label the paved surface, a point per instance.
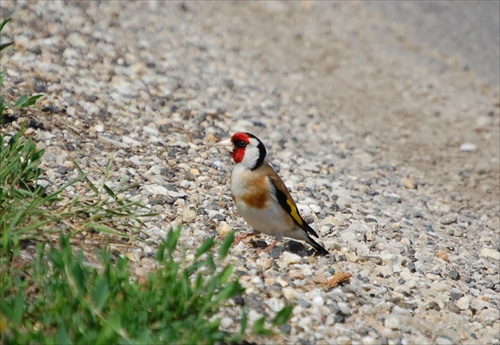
(467, 29)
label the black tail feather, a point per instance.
(309, 230)
(319, 249)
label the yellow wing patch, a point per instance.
(293, 212)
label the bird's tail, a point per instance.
(319, 249)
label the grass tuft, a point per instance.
(65, 301)
(29, 212)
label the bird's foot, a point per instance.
(241, 237)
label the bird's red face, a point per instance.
(246, 149)
(240, 142)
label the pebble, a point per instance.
(490, 253)
(408, 183)
(444, 340)
(392, 322)
(188, 215)
(224, 229)
(226, 322)
(264, 263)
(454, 275)
(318, 301)
(289, 259)
(463, 303)
(468, 147)
(289, 293)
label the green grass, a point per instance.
(84, 305)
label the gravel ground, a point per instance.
(391, 151)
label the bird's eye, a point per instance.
(240, 143)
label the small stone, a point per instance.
(274, 304)
(136, 161)
(393, 197)
(454, 275)
(268, 281)
(411, 267)
(226, 322)
(99, 128)
(318, 301)
(444, 340)
(305, 323)
(289, 258)
(408, 183)
(392, 322)
(195, 172)
(264, 262)
(344, 340)
(132, 256)
(286, 328)
(210, 138)
(453, 307)
(224, 229)
(448, 219)
(289, 293)
(319, 279)
(344, 308)
(188, 215)
(344, 202)
(296, 274)
(490, 253)
(433, 306)
(71, 111)
(443, 255)
(464, 303)
(256, 280)
(468, 147)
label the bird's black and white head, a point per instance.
(246, 149)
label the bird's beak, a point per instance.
(226, 144)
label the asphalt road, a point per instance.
(467, 29)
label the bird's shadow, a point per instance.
(290, 246)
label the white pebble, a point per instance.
(224, 229)
(256, 280)
(490, 253)
(226, 322)
(289, 293)
(344, 308)
(468, 147)
(274, 304)
(318, 301)
(464, 302)
(305, 323)
(392, 322)
(289, 258)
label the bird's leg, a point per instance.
(269, 247)
(241, 237)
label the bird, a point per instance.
(260, 195)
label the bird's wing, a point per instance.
(281, 194)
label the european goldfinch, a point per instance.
(260, 195)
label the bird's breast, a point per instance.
(250, 188)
